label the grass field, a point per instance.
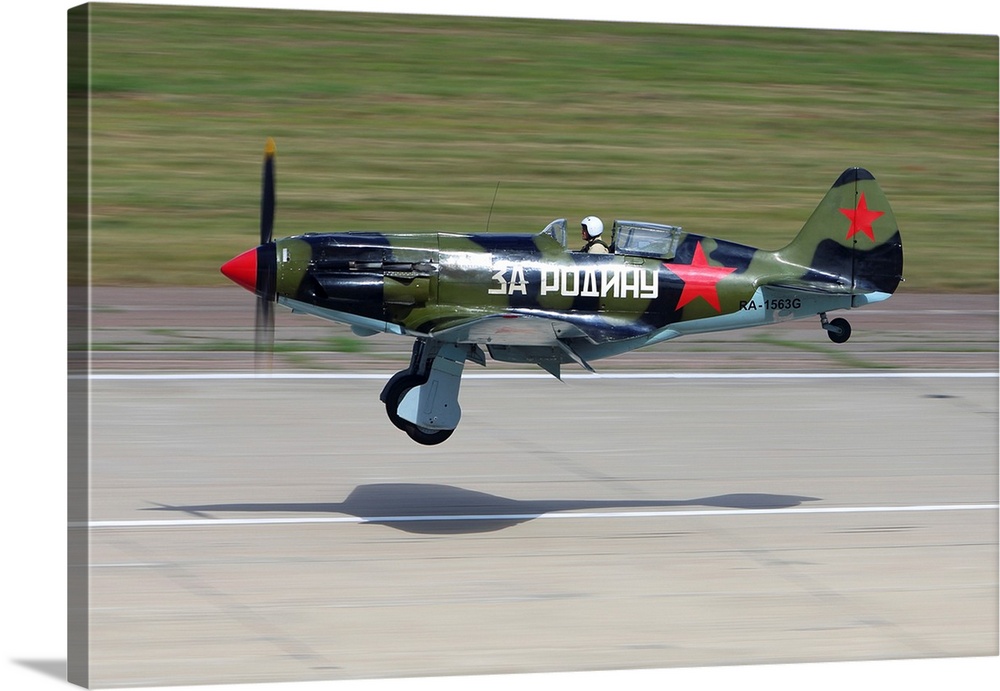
(408, 122)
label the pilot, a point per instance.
(590, 229)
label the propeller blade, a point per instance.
(267, 197)
(264, 335)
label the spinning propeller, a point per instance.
(256, 269)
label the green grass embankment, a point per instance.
(408, 123)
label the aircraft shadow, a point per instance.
(454, 510)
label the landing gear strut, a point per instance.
(394, 394)
(839, 329)
(422, 400)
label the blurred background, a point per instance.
(407, 122)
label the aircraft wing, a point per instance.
(546, 340)
(511, 330)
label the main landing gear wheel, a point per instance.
(427, 437)
(394, 396)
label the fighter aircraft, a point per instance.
(532, 298)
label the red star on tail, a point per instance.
(701, 280)
(861, 219)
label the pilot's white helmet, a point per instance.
(593, 225)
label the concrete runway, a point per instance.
(255, 530)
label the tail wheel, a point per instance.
(839, 330)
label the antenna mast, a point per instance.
(491, 206)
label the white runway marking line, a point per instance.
(206, 522)
(194, 376)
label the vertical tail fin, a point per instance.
(851, 243)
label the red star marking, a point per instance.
(861, 219)
(700, 279)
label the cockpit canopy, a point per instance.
(634, 238)
(642, 239)
(556, 230)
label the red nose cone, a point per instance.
(243, 270)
